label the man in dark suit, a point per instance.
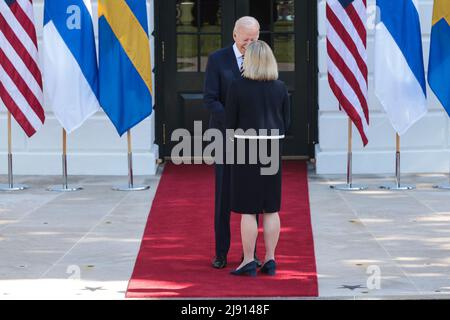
(223, 67)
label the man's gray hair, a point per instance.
(246, 22)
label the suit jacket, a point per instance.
(221, 70)
(258, 105)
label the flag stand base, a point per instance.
(130, 188)
(396, 187)
(62, 188)
(445, 186)
(16, 187)
(349, 187)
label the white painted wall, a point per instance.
(425, 147)
(93, 149)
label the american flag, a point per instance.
(347, 59)
(20, 76)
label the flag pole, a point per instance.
(10, 186)
(130, 161)
(130, 186)
(398, 185)
(349, 186)
(65, 186)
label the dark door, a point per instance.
(187, 31)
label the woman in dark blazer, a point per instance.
(258, 104)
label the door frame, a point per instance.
(310, 53)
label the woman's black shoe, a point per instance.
(258, 262)
(249, 269)
(269, 268)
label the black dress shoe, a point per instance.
(248, 270)
(269, 268)
(258, 262)
(219, 262)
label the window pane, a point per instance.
(208, 44)
(210, 16)
(284, 49)
(284, 16)
(266, 37)
(187, 16)
(187, 53)
(260, 9)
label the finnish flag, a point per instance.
(70, 62)
(399, 69)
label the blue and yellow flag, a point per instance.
(125, 73)
(439, 66)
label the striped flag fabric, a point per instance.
(20, 75)
(125, 72)
(399, 68)
(70, 62)
(347, 59)
(439, 64)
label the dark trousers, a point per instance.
(222, 209)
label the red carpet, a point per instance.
(178, 243)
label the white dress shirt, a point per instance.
(239, 56)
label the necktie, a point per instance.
(242, 65)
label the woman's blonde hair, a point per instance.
(259, 62)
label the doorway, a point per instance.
(188, 31)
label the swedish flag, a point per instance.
(125, 73)
(439, 65)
